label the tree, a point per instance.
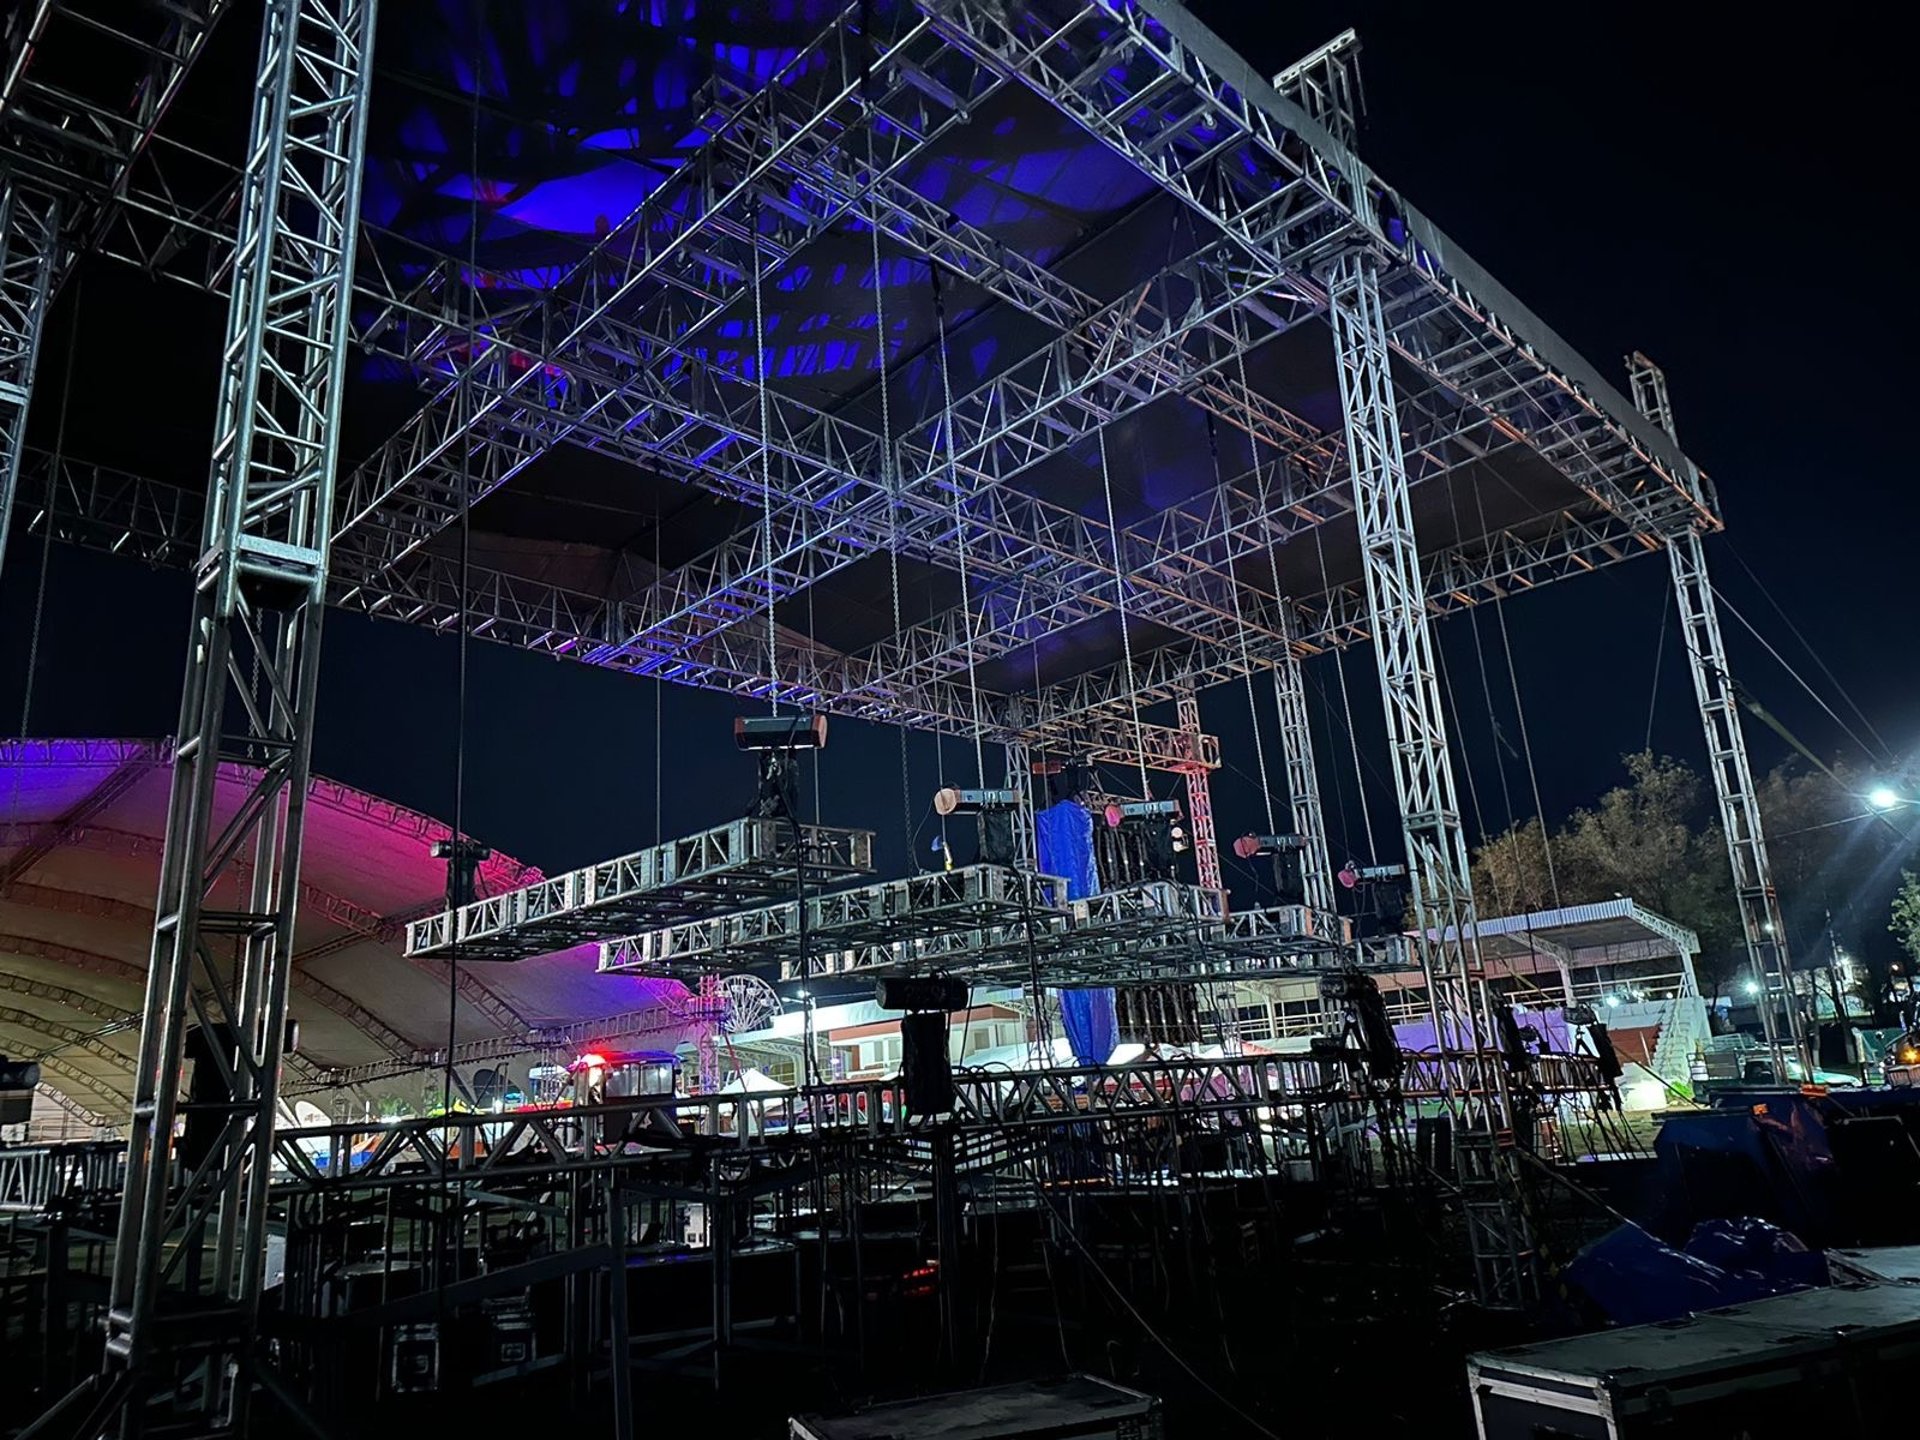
(1906, 915)
(1656, 839)
(1510, 871)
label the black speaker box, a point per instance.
(920, 992)
(925, 1069)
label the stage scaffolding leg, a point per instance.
(222, 950)
(29, 246)
(1206, 843)
(1020, 781)
(1303, 781)
(1442, 891)
(1719, 700)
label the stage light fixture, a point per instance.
(1353, 875)
(780, 732)
(1248, 846)
(1120, 812)
(951, 800)
(464, 858)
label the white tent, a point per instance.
(753, 1081)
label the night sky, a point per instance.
(1640, 177)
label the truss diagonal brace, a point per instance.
(29, 254)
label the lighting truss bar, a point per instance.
(29, 253)
(129, 514)
(1143, 934)
(253, 654)
(741, 861)
(964, 899)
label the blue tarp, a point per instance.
(1769, 1157)
(1064, 833)
(1064, 836)
(1634, 1279)
(1091, 1023)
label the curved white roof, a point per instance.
(81, 823)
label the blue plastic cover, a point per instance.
(1634, 1279)
(1768, 1157)
(1064, 836)
(1092, 1024)
(1064, 833)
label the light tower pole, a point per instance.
(1761, 921)
(1442, 890)
(189, 1263)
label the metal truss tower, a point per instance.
(189, 1263)
(1206, 842)
(29, 249)
(1713, 687)
(1303, 781)
(1442, 890)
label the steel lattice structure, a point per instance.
(1281, 261)
(260, 588)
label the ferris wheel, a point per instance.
(750, 1003)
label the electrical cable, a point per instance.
(1659, 659)
(959, 526)
(1246, 648)
(760, 357)
(1799, 679)
(1346, 703)
(1120, 602)
(1794, 630)
(1520, 716)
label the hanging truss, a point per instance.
(29, 256)
(253, 654)
(1761, 921)
(717, 869)
(1206, 842)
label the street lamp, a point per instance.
(1883, 797)
(1752, 987)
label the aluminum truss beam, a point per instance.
(702, 236)
(1718, 696)
(1161, 90)
(260, 584)
(1442, 889)
(89, 149)
(1303, 781)
(130, 515)
(1206, 842)
(29, 255)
